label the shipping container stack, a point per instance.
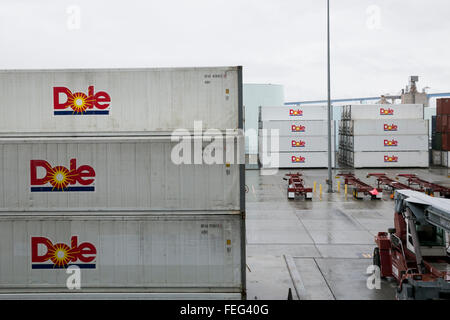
(94, 176)
(302, 137)
(441, 134)
(383, 136)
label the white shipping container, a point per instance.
(293, 113)
(389, 159)
(296, 128)
(385, 111)
(436, 157)
(151, 255)
(389, 143)
(383, 127)
(117, 173)
(297, 160)
(445, 159)
(294, 144)
(119, 100)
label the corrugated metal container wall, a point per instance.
(293, 113)
(386, 112)
(436, 157)
(297, 128)
(113, 174)
(390, 143)
(119, 100)
(390, 159)
(293, 144)
(138, 253)
(446, 141)
(298, 160)
(443, 106)
(383, 127)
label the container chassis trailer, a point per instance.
(296, 186)
(430, 188)
(359, 187)
(383, 181)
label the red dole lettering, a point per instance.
(386, 112)
(61, 178)
(80, 103)
(61, 255)
(391, 127)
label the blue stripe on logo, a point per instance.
(68, 189)
(52, 266)
(89, 112)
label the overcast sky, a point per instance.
(376, 45)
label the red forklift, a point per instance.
(415, 252)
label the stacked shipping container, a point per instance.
(383, 136)
(94, 177)
(441, 133)
(303, 137)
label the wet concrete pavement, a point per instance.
(330, 239)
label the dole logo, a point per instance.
(391, 127)
(79, 103)
(386, 112)
(300, 128)
(391, 143)
(298, 159)
(298, 144)
(295, 113)
(61, 255)
(60, 178)
(390, 159)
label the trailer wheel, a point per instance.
(405, 291)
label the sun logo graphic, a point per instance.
(295, 113)
(390, 159)
(298, 144)
(60, 178)
(300, 128)
(386, 112)
(391, 127)
(79, 103)
(46, 255)
(391, 143)
(298, 159)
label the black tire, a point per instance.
(391, 230)
(376, 257)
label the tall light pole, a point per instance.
(330, 176)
